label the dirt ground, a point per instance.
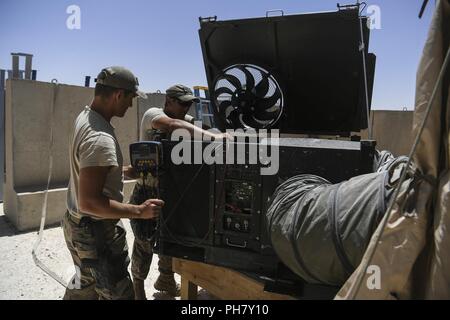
(21, 279)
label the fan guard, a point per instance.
(248, 96)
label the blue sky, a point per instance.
(158, 40)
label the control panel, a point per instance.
(146, 157)
(238, 194)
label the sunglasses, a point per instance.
(185, 104)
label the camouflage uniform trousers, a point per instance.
(100, 254)
(141, 259)
(143, 231)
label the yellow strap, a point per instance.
(201, 88)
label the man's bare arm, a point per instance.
(169, 125)
(92, 201)
(204, 126)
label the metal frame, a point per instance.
(204, 101)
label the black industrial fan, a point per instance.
(247, 96)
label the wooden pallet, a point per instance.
(221, 282)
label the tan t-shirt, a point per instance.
(147, 132)
(94, 144)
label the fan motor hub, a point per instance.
(244, 100)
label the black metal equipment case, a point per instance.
(215, 213)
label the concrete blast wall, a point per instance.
(28, 120)
(393, 130)
(152, 101)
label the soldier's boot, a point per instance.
(139, 290)
(167, 283)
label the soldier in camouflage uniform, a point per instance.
(144, 240)
(156, 124)
(92, 229)
(102, 267)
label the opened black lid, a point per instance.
(313, 59)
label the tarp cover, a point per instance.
(412, 256)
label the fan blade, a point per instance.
(265, 116)
(248, 120)
(262, 87)
(267, 103)
(224, 105)
(234, 120)
(223, 90)
(249, 80)
(233, 80)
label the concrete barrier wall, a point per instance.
(153, 100)
(27, 134)
(392, 130)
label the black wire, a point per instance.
(183, 241)
(422, 10)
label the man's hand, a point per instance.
(150, 209)
(92, 201)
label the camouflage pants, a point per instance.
(141, 259)
(100, 254)
(144, 231)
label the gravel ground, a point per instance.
(20, 278)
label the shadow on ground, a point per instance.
(7, 229)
